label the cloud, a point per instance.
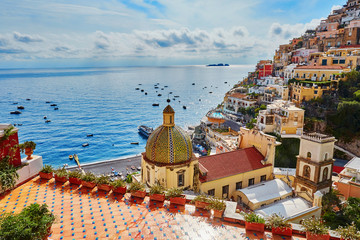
(288, 31)
(26, 38)
(335, 7)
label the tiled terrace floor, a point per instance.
(89, 214)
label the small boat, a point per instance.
(85, 144)
(156, 87)
(134, 143)
(15, 112)
(133, 168)
(28, 99)
(155, 104)
(145, 130)
(145, 93)
(15, 103)
(19, 124)
(165, 86)
(76, 158)
(139, 84)
(199, 100)
(184, 107)
(47, 121)
(162, 88)
(47, 102)
(193, 83)
(176, 96)
(225, 82)
(210, 92)
(142, 90)
(53, 105)
(45, 117)
(56, 108)
(159, 95)
(139, 168)
(90, 135)
(71, 157)
(137, 88)
(170, 92)
(20, 107)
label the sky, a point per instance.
(86, 33)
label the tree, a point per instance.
(331, 200)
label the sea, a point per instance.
(104, 102)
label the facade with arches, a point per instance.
(314, 164)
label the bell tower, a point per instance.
(314, 164)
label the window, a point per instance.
(308, 155)
(225, 191)
(335, 61)
(181, 179)
(170, 119)
(325, 174)
(315, 92)
(263, 178)
(342, 61)
(239, 185)
(148, 175)
(251, 181)
(306, 171)
(325, 157)
(324, 62)
(211, 192)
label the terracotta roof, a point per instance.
(238, 95)
(168, 109)
(231, 163)
(320, 67)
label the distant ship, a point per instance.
(145, 130)
(218, 65)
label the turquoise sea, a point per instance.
(104, 102)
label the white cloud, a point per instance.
(335, 7)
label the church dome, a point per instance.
(168, 144)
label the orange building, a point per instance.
(349, 182)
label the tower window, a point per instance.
(170, 119)
(326, 157)
(325, 174)
(306, 171)
(308, 155)
(148, 175)
(181, 179)
(225, 191)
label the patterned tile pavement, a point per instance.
(83, 213)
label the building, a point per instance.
(314, 164)
(281, 117)
(236, 100)
(275, 92)
(264, 68)
(346, 57)
(169, 159)
(349, 182)
(8, 147)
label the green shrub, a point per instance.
(88, 177)
(157, 189)
(137, 186)
(349, 232)
(102, 179)
(277, 221)
(202, 198)
(253, 218)
(174, 192)
(118, 183)
(47, 169)
(75, 174)
(61, 172)
(27, 144)
(315, 226)
(216, 204)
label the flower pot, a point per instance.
(202, 205)
(121, 190)
(218, 213)
(157, 197)
(46, 175)
(104, 187)
(284, 231)
(60, 179)
(88, 184)
(312, 236)
(138, 193)
(178, 200)
(259, 227)
(29, 152)
(76, 181)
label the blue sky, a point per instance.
(55, 33)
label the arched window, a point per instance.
(325, 174)
(309, 155)
(306, 171)
(326, 157)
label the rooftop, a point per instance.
(230, 163)
(318, 137)
(89, 214)
(354, 164)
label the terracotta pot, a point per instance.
(202, 205)
(218, 213)
(284, 231)
(121, 190)
(76, 181)
(46, 175)
(312, 236)
(104, 187)
(88, 184)
(29, 152)
(259, 227)
(157, 197)
(60, 179)
(178, 200)
(139, 194)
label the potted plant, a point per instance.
(103, 183)
(61, 175)
(349, 232)
(75, 177)
(119, 186)
(88, 180)
(157, 192)
(218, 206)
(176, 196)
(137, 189)
(279, 225)
(28, 147)
(315, 229)
(254, 222)
(201, 201)
(46, 172)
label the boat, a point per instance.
(28, 99)
(193, 83)
(225, 82)
(90, 135)
(85, 144)
(20, 107)
(134, 143)
(210, 92)
(145, 130)
(159, 95)
(15, 103)
(170, 92)
(53, 105)
(145, 93)
(47, 121)
(156, 87)
(45, 117)
(155, 104)
(15, 112)
(184, 107)
(176, 96)
(76, 158)
(137, 88)
(165, 86)
(142, 90)
(47, 102)
(56, 108)
(19, 124)
(71, 157)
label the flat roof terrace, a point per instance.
(90, 214)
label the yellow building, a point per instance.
(222, 174)
(169, 159)
(344, 57)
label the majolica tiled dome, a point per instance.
(169, 144)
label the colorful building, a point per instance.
(264, 68)
(9, 146)
(349, 182)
